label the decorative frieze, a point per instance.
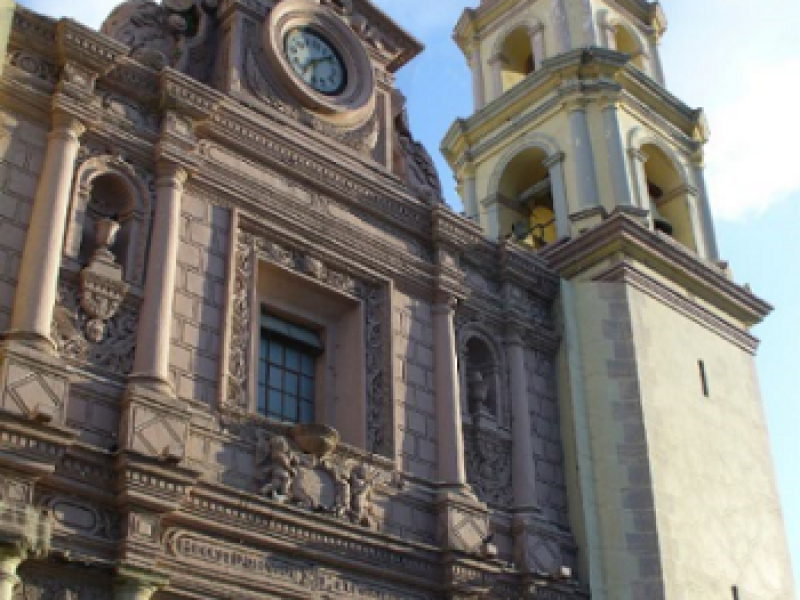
(489, 469)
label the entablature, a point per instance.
(621, 238)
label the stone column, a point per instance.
(38, 281)
(655, 61)
(616, 153)
(496, 63)
(709, 232)
(10, 559)
(476, 65)
(638, 160)
(153, 337)
(524, 470)
(471, 206)
(555, 165)
(452, 471)
(584, 159)
(537, 45)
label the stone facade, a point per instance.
(171, 205)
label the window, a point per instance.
(287, 371)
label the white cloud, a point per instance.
(752, 158)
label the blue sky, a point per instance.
(739, 60)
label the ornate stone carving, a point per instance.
(52, 587)
(238, 363)
(411, 161)
(488, 461)
(379, 400)
(333, 485)
(163, 35)
(102, 288)
(113, 351)
(34, 65)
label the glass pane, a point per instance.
(292, 384)
(308, 365)
(262, 372)
(306, 412)
(262, 400)
(275, 403)
(275, 353)
(290, 408)
(306, 388)
(276, 377)
(292, 359)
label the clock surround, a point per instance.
(350, 104)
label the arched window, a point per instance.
(517, 59)
(668, 194)
(108, 188)
(525, 199)
(626, 41)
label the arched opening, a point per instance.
(526, 197)
(482, 380)
(627, 42)
(517, 58)
(109, 198)
(669, 198)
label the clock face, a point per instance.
(315, 61)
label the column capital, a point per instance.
(169, 172)
(67, 125)
(444, 302)
(512, 337)
(576, 104)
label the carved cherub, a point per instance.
(279, 470)
(341, 481)
(361, 484)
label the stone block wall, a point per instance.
(414, 385)
(547, 445)
(22, 145)
(199, 299)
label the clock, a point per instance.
(315, 60)
(320, 61)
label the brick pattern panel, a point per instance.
(414, 386)
(22, 147)
(545, 422)
(199, 299)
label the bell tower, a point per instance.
(577, 149)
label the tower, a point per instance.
(578, 150)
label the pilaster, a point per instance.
(137, 584)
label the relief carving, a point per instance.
(77, 340)
(489, 469)
(166, 34)
(327, 484)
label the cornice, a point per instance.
(585, 75)
(622, 238)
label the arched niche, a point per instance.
(525, 193)
(669, 196)
(482, 366)
(517, 58)
(622, 37)
(107, 187)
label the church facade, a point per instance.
(249, 352)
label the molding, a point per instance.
(622, 238)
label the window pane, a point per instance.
(292, 384)
(306, 388)
(275, 353)
(308, 365)
(306, 412)
(292, 359)
(276, 377)
(262, 372)
(290, 408)
(262, 400)
(275, 404)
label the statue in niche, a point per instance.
(411, 161)
(279, 470)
